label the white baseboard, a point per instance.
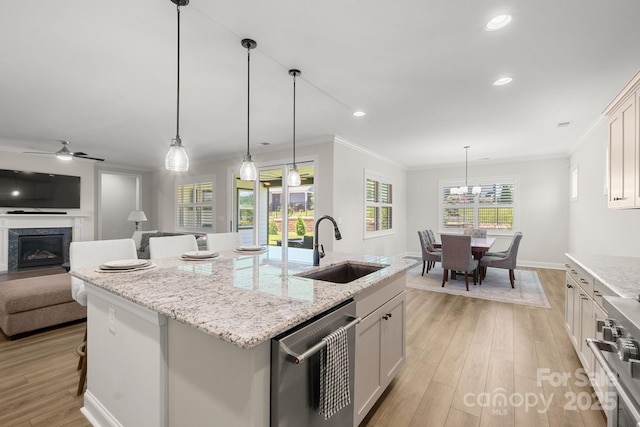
(96, 413)
(521, 263)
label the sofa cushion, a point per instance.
(34, 292)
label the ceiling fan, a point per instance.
(65, 154)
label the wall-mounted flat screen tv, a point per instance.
(22, 189)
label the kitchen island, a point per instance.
(188, 342)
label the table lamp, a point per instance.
(137, 216)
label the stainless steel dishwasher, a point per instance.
(295, 370)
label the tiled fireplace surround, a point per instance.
(13, 225)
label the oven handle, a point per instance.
(596, 347)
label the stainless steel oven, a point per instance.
(618, 353)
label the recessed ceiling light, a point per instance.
(503, 81)
(359, 113)
(498, 22)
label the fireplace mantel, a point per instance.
(8, 221)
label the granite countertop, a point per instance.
(242, 299)
(620, 274)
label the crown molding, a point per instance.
(346, 143)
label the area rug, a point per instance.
(495, 286)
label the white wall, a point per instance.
(146, 191)
(349, 164)
(543, 199)
(50, 164)
(118, 197)
(593, 228)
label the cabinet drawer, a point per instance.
(372, 298)
(581, 277)
(600, 290)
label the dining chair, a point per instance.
(432, 237)
(456, 256)
(506, 251)
(169, 246)
(429, 254)
(507, 260)
(223, 241)
(90, 254)
(479, 233)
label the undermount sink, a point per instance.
(343, 273)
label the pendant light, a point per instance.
(248, 170)
(177, 158)
(293, 177)
(464, 189)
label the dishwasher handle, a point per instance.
(297, 359)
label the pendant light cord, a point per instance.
(178, 85)
(466, 164)
(294, 120)
(248, 90)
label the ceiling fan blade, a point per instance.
(37, 152)
(84, 156)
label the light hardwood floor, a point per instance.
(462, 351)
(457, 349)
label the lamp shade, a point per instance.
(248, 170)
(293, 179)
(137, 216)
(177, 158)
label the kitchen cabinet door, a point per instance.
(368, 378)
(380, 353)
(392, 353)
(622, 156)
(569, 298)
(587, 329)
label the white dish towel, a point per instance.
(334, 373)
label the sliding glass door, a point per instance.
(269, 212)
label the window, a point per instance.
(194, 204)
(245, 208)
(494, 208)
(378, 211)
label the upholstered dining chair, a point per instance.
(432, 237)
(479, 233)
(506, 260)
(223, 241)
(456, 256)
(429, 254)
(168, 246)
(90, 254)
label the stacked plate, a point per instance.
(199, 255)
(122, 265)
(250, 248)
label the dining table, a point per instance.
(481, 245)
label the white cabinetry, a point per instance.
(380, 343)
(624, 147)
(582, 311)
(569, 311)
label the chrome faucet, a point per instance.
(317, 254)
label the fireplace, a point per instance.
(38, 247)
(40, 250)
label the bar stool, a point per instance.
(92, 254)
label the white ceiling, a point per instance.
(102, 74)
